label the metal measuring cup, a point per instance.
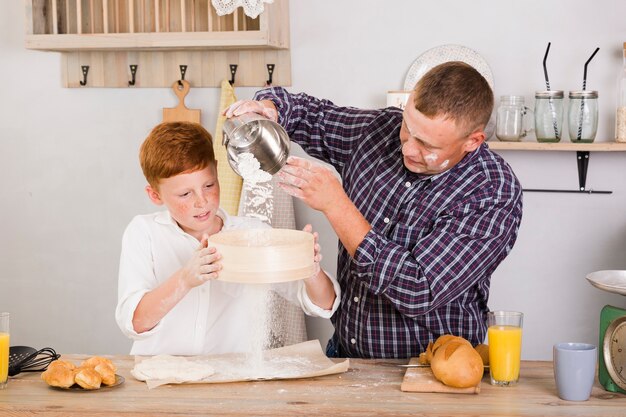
(263, 138)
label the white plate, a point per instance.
(445, 53)
(612, 281)
(119, 380)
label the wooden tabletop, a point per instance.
(370, 387)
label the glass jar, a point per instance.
(549, 115)
(583, 116)
(620, 116)
(510, 124)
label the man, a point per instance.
(422, 221)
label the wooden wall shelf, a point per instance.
(152, 41)
(559, 146)
(158, 36)
(582, 158)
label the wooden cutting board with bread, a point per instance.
(455, 367)
(422, 380)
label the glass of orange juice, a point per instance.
(505, 346)
(4, 349)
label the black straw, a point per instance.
(552, 111)
(582, 100)
(545, 68)
(587, 63)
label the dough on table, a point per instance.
(170, 367)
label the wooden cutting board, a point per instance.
(181, 113)
(423, 380)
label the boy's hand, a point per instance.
(264, 108)
(202, 266)
(317, 249)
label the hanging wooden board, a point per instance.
(181, 113)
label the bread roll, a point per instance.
(457, 364)
(106, 373)
(483, 351)
(426, 357)
(60, 362)
(441, 340)
(88, 378)
(96, 360)
(59, 374)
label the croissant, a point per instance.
(96, 360)
(106, 373)
(88, 378)
(59, 374)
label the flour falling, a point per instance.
(257, 188)
(258, 203)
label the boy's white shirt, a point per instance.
(211, 318)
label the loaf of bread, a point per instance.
(457, 364)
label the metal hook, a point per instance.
(133, 72)
(85, 69)
(270, 72)
(183, 70)
(233, 71)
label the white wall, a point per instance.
(70, 180)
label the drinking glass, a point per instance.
(505, 346)
(4, 349)
(510, 123)
(549, 115)
(583, 116)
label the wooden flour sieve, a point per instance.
(261, 256)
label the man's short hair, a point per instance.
(456, 91)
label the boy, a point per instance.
(168, 299)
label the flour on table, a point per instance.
(172, 368)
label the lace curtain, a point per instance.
(252, 8)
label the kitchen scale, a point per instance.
(612, 352)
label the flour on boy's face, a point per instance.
(192, 199)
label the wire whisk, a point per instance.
(28, 359)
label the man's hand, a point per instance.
(314, 184)
(265, 108)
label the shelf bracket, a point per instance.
(582, 161)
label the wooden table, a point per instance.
(370, 387)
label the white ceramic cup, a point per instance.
(574, 370)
